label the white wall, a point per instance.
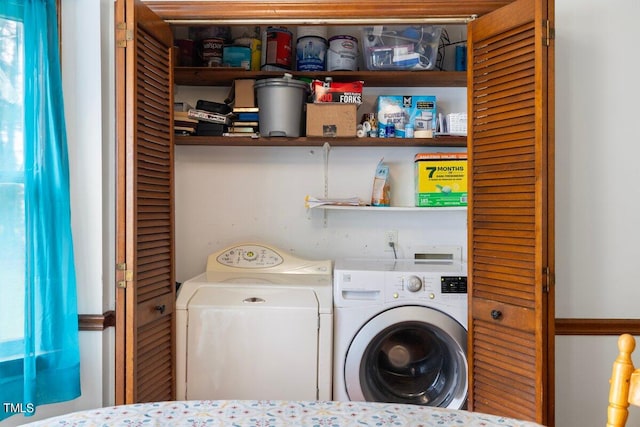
(227, 195)
(597, 203)
(88, 101)
(596, 152)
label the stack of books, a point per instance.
(217, 119)
(244, 122)
(182, 123)
(245, 112)
(213, 118)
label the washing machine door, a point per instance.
(409, 354)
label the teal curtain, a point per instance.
(39, 354)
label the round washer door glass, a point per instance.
(409, 354)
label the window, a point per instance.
(12, 232)
(39, 354)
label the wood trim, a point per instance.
(310, 10)
(96, 322)
(597, 326)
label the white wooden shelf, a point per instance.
(391, 208)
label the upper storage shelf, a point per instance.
(321, 12)
(441, 141)
(203, 76)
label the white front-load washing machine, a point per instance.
(257, 325)
(400, 331)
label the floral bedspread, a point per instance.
(267, 413)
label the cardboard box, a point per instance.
(330, 120)
(441, 179)
(343, 92)
(244, 93)
(399, 110)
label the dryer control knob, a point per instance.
(414, 284)
(250, 255)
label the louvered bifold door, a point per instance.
(509, 216)
(150, 293)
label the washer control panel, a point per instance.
(250, 256)
(453, 284)
(407, 286)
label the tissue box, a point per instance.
(441, 179)
(399, 110)
(331, 119)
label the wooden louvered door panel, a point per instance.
(511, 212)
(145, 353)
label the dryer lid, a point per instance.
(256, 266)
(262, 258)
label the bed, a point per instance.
(274, 413)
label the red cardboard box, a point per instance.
(343, 93)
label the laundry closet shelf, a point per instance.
(391, 208)
(222, 76)
(440, 141)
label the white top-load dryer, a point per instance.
(258, 324)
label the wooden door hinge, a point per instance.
(128, 275)
(549, 33)
(547, 279)
(124, 34)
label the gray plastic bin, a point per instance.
(281, 102)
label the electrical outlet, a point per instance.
(390, 237)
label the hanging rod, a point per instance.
(441, 20)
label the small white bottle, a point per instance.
(408, 130)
